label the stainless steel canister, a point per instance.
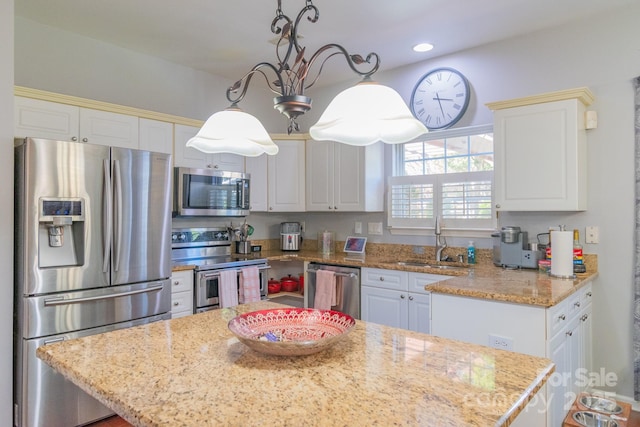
(510, 234)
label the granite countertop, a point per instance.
(484, 281)
(192, 371)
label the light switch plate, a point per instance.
(357, 229)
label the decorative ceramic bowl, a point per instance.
(291, 331)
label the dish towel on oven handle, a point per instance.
(325, 290)
(249, 285)
(228, 288)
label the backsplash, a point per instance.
(484, 257)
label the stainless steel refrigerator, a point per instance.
(92, 254)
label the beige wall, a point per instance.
(6, 211)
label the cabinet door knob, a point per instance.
(402, 296)
(74, 138)
(330, 208)
(410, 298)
(577, 304)
(175, 304)
(335, 208)
(85, 139)
(381, 278)
(585, 317)
(498, 206)
(570, 333)
(177, 282)
(562, 317)
(589, 294)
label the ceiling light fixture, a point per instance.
(423, 47)
(364, 114)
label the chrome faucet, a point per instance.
(441, 242)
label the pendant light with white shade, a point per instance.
(364, 114)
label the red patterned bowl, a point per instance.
(291, 331)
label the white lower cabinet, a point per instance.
(397, 298)
(561, 333)
(181, 293)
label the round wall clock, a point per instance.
(440, 98)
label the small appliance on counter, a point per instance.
(512, 250)
(290, 237)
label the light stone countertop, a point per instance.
(192, 371)
(485, 281)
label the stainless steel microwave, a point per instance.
(209, 192)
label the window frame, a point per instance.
(460, 227)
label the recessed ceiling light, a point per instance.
(423, 47)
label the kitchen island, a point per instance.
(192, 371)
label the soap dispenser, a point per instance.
(471, 253)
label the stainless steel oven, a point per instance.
(207, 283)
(209, 250)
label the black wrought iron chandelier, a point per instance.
(361, 115)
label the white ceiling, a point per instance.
(227, 38)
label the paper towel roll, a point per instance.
(562, 253)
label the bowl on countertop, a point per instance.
(291, 332)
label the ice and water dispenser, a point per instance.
(61, 232)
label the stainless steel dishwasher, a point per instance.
(350, 287)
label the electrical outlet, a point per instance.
(357, 229)
(503, 343)
(375, 228)
(592, 234)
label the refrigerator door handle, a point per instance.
(107, 220)
(118, 214)
(63, 301)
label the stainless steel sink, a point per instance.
(594, 419)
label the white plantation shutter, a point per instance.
(462, 199)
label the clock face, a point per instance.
(440, 98)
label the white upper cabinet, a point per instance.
(540, 152)
(286, 177)
(343, 177)
(106, 128)
(43, 119)
(156, 135)
(256, 167)
(192, 158)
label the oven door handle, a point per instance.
(209, 275)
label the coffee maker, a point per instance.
(290, 238)
(512, 250)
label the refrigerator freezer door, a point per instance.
(141, 205)
(54, 314)
(48, 399)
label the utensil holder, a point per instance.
(243, 247)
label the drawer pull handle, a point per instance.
(589, 294)
(577, 304)
(562, 317)
(585, 317)
(570, 333)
